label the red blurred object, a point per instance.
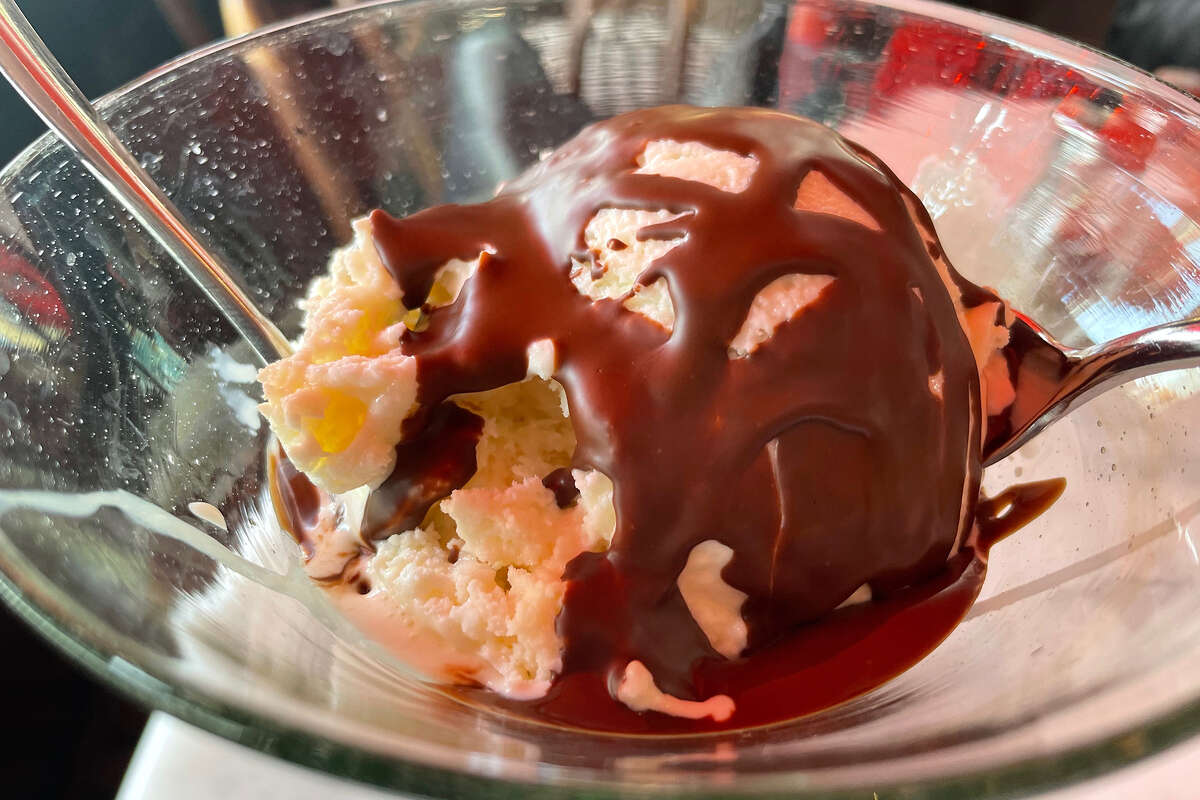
(28, 290)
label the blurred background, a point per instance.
(76, 738)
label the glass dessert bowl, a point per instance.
(1055, 175)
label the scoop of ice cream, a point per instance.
(726, 380)
(337, 403)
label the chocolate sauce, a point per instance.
(822, 459)
(1014, 508)
(296, 500)
(562, 483)
(431, 463)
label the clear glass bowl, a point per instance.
(1065, 179)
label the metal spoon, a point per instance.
(45, 85)
(1051, 379)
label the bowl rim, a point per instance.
(440, 771)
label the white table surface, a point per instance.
(175, 761)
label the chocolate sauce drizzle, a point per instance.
(822, 459)
(430, 463)
(562, 483)
(296, 500)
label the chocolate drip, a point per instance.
(562, 483)
(430, 464)
(296, 500)
(822, 459)
(1014, 508)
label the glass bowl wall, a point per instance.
(1064, 179)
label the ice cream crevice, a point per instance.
(483, 572)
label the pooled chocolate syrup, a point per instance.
(817, 665)
(822, 459)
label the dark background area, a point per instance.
(73, 738)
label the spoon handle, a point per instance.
(1173, 345)
(38, 77)
(1081, 375)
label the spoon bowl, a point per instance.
(1050, 379)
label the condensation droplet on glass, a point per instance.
(10, 415)
(337, 45)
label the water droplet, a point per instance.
(10, 415)
(337, 45)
